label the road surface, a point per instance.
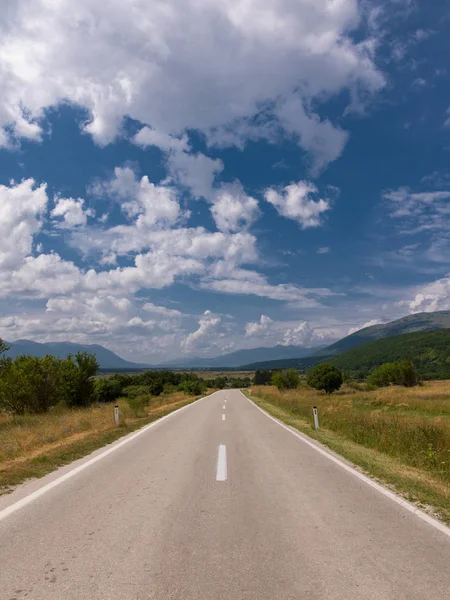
(216, 502)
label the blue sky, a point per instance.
(192, 178)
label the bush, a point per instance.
(263, 377)
(192, 388)
(29, 384)
(398, 373)
(286, 380)
(133, 391)
(107, 389)
(77, 379)
(324, 377)
(138, 405)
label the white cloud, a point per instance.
(323, 250)
(206, 333)
(196, 172)
(232, 209)
(153, 206)
(190, 64)
(431, 297)
(263, 324)
(22, 208)
(150, 137)
(161, 311)
(419, 211)
(366, 324)
(295, 202)
(72, 212)
(287, 333)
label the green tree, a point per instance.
(107, 389)
(286, 380)
(4, 347)
(262, 377)
(324, 377)
(78, 382)
(398, 373)
(30, 384)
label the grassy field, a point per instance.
(31, 446)
(399, 435)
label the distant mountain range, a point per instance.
(106, 358)
(410, 324)
(428, 350)
(240, 357)
(278, 357)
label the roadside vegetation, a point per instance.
(428, 350)
(54, 410)
(396, 433)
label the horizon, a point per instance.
(160, 202)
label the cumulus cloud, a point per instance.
(430, 297)
(192, 65)
(72, 213)
(150, 137)
(197, 172)
(232, 209)
(366, 324)
(22, 209)
(153, 206)
(286, 333)
(263, 324)
(295, 202)
(205, 334)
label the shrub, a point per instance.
(29, 384)
(286, 380)
(324, 377)
(138, 405)
(263, 377)
(398, 373)
(133, 391)
(192, 388)
(107, 389)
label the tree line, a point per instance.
(30, 384)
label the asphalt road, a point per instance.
(199, 507)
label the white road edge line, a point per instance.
(397, 499)
(9, 510)
(221, 473)
(223, 417)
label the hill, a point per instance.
(409, 324)
(301, 364)
(429, 351)
(240, 357)
(106, 358)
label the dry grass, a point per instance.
(398, 434)
(35, 444)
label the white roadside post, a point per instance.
(316, 417)
(116, 415)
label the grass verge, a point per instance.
(421, 483)
(32, 446)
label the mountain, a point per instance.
(409, 324)
(301, 364)
(106, 358)
(240, 357)
(429, 351)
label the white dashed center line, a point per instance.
(223, 417)
(221, 474)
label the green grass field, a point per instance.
(400, 435)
